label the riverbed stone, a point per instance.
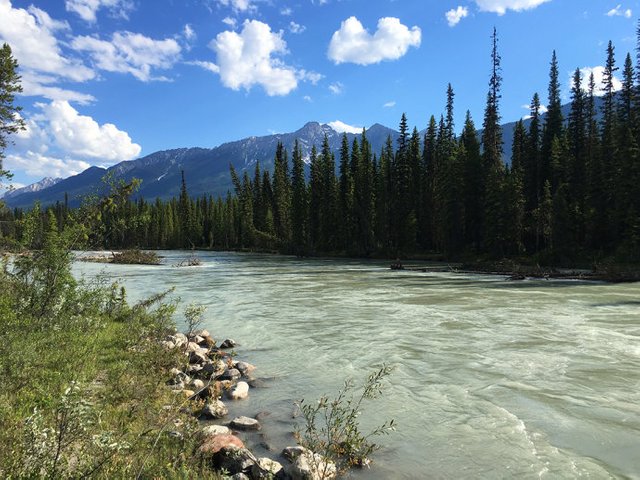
(230, 374)
(291, 453)
(202, 332)
(244, 367)
(245, 423)
(197, 384)
(215, 409)
(193, 347)
(235, 460)
(212, 430)
(207, 342)
(311, 466)
(215, 368)
(214, 443)
(265, 468)
(228, 343)
(240, 476)
(240, 391)
(179, 339)
(198, 357)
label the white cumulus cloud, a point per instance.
(252, 57)
(39, 165)
(82, 136)
(501, 6)
(342, 127)
(354, 44)
(131, 53)
(31, 35)
(58, 142)
(87, 9)
(618, 11)
(598, 77)
(455, 15)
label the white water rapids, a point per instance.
(492, 379)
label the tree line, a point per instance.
(570, 194)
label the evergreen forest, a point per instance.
(569, 196)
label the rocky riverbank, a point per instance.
(210, 376)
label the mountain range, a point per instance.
(206, 170)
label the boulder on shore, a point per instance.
(230, 374)
(215, 409)
(265, 468)
(245, 423)
(228, 343)
(213, 430)
(240, 391)
(213, 444)
(311, 466)
(235, 460)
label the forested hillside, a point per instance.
(570, 194)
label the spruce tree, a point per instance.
(553, 126)
(493, 167)
(10, 120)
(299, 203)
(472, 180)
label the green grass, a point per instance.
(82, 389)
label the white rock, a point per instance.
(215, 409)
(197, 384)
(311, 466)
(244, 367)
(211, 430)
(240, 391)
(265, 468)
(245, 423)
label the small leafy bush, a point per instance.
(331, 425)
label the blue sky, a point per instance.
(112, 80)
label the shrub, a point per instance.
(331, 425)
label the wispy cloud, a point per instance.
(128, 52)
(501, 6)
(336, 88)
(296, 27)
(390, 104)
(618, 11)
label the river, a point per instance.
(492, 378)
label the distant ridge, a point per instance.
(206, 169)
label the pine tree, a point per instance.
(281, 196)
(493, 167)
(10, 120)
(299, 203)
(553, 127)
(185, 213)
(346, 193)
(472, 174)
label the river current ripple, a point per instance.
(492, 378)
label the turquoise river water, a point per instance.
(492, 378)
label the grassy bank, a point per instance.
(83, 376)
